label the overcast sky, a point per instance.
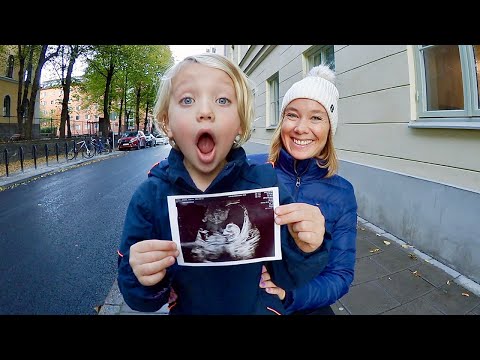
(181, 51)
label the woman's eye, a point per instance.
(186, 101)
(291, 115)
(223, 101)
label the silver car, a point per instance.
(161, 140)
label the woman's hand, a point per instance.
(267, 284)
(149, 260)
(305, 222)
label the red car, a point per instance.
(132, 140)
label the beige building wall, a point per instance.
(377, 102)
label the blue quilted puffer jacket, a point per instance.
(336, 199)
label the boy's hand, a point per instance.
(267, 284)
(149, 260)
(305, 222)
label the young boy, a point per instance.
(205, 106)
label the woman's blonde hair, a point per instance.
(327, 158)
(243, 90)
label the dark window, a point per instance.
(10, 67)
(6, 106)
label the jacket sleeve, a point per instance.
(334, 281)
(296, 267)
(138, 227)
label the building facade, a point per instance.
(83, 118)
(408, 136)
(9, 67)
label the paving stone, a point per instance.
(365, 248)
(404, 286)
(395, 260)
(366, 270)
(110, 310)
(339, 309)
(432, 274)
(368, 299)
(475, 311)
(416, 307)
(449, 300)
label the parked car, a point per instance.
(17, 137)
(150, 139)
(132, 140)
(161, 139)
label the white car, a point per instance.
(151, 141)
(161, 140)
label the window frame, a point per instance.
(310, 54)
(273, 83)
(467, 118)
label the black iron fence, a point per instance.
(18, 156)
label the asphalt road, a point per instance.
(59, 234)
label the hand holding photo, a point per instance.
(227, 228)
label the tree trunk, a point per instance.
(66, 89)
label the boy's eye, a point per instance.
(223, 101)
(186, 100)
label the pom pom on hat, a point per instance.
(318, 85)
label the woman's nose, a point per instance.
(301, 127)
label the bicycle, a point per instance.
(88, 150)
(100, 147)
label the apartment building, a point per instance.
(83, 118)
(408, 136)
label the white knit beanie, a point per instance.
(318, 85)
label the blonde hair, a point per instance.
(326, 159)
(243, 91)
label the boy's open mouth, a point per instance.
(206, 147)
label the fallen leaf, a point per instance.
(97, 308)
(404, 246)
(374, 250)
(411, 256)
(465, 294)
(378, 234)
(386, 242)
(448, 282)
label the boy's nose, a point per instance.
(205, 112)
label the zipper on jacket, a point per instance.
(299, 177)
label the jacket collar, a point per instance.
(295, 167)
(177, 173)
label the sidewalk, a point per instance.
(42, 170)
(391, 278)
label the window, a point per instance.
(273, 99)
(447, 93)
(10, 66)
(317, 55)
(6, 106)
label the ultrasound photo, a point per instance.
(225, 229)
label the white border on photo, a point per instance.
(173, 215)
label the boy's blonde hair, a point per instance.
(243, 90)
